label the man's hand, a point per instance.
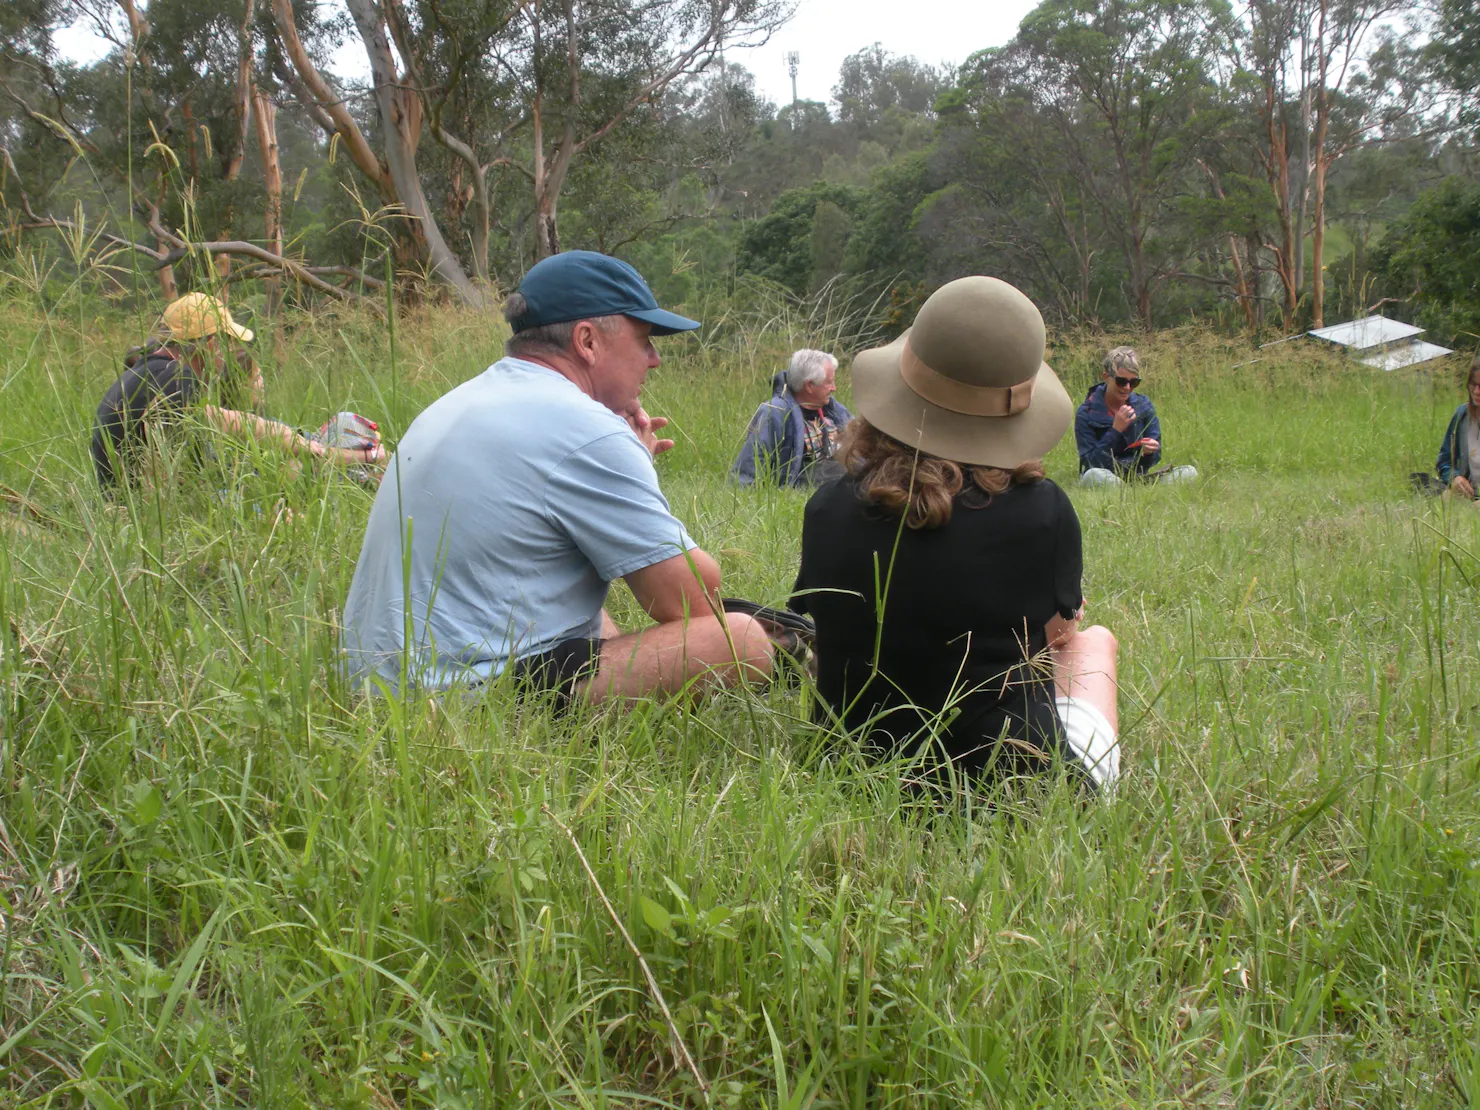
(1150, 446)
(646, 427)
(1461, 484)
(1124, 417)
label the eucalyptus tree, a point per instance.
(1320, 79)
(873, 82)
(36, 124)
(465, 100)
(1360, 96)
(528, 85)
(1126, 87)
(1266, 83)
(585, 67)
(1012, 187)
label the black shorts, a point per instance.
(558, 670)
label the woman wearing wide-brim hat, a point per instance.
(945, 527)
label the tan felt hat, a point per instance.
(197, 315)
(967, 382)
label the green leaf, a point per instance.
(148, 803)
(1367, 1071)
(683, 899)
(658, 919)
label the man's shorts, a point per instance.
(557, 671)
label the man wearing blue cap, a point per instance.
(514, 501)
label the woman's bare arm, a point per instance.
(1061, 630)
(275, 433)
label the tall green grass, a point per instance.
(225, 881)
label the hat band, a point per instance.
(969, 400)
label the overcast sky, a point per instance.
(824, 32)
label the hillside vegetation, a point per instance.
(227, 880)
(1260, 165)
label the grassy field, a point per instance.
(225, 881)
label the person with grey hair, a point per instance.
(513, 502)
(1117, 431)
(792, 437)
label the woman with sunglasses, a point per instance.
(1116, 429)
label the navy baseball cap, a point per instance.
(580, 285)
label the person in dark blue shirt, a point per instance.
(1116, 429)
(1458, 465)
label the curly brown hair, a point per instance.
(922, 488)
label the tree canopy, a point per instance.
(1260, 164)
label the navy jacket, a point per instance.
(775, 442)
(1454, 452)
(1100, 445)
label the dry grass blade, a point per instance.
(652, 982)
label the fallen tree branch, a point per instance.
(43, 223)
(181, 249)
(302, 274)
(266, 269)
(311, 276)
(35, 222)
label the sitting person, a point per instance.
(515, 500)
(944, 506)
(1116, 429)
(1458, 464)
(189, 367)
(793, 436)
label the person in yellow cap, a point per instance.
(193, 365)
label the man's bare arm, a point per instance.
(677, 588)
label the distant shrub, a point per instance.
(1429, 261)
(780, 246)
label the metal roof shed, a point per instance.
(1382, 343)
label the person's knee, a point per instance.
(750, 641)
(1098, 638)
(1099, 476)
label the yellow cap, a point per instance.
(197, 315)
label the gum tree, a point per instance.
(1126, 85)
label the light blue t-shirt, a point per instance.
(522, 499)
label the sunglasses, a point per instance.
(1127, 383)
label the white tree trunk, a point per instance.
(400, 126)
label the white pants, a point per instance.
(1099, 476)
(1092, 739)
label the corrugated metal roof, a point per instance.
(1367, 333)
(1408, 354)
